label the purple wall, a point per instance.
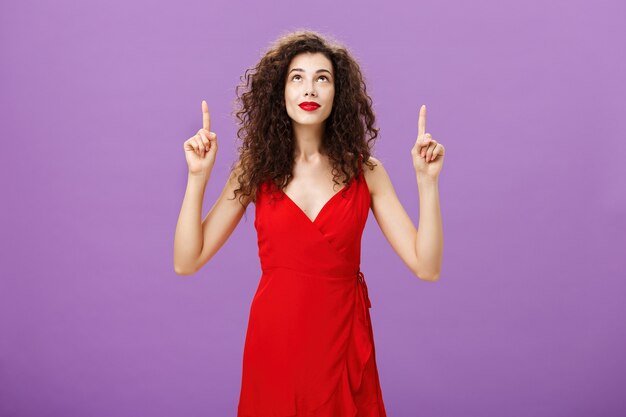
(527, 97)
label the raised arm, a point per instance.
(421, 249)
(197, 240)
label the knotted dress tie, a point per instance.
(364, 296)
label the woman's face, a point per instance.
(310, 78)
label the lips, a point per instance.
(309, 105)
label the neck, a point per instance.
(308, 140)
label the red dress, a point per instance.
(309, 346)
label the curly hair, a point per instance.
(267, 144)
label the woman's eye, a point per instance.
(322, 76)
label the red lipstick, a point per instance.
(308, 105)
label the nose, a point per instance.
(310, 91)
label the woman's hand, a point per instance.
(427, 153)
(200, 149)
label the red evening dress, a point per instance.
(309, 346)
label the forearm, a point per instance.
(429, 240)
(188, 239)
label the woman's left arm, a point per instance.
(421, 249)
(427, 156)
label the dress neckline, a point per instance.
(324, 207)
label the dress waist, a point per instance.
(346, 274)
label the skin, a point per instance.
(312, 184)
(421, 249)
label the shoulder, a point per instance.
(375, 176)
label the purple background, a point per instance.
(528, 318)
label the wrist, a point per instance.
(198, 178)
(426, 180)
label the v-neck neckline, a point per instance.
(297, 207)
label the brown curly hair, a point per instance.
(267, 148)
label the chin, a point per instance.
(308, 122)
(314, 119)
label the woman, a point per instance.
(307, 126)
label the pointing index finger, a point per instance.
(421, 124)
(206, 119)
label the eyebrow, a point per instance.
(319, 70)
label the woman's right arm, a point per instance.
(196, 241)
